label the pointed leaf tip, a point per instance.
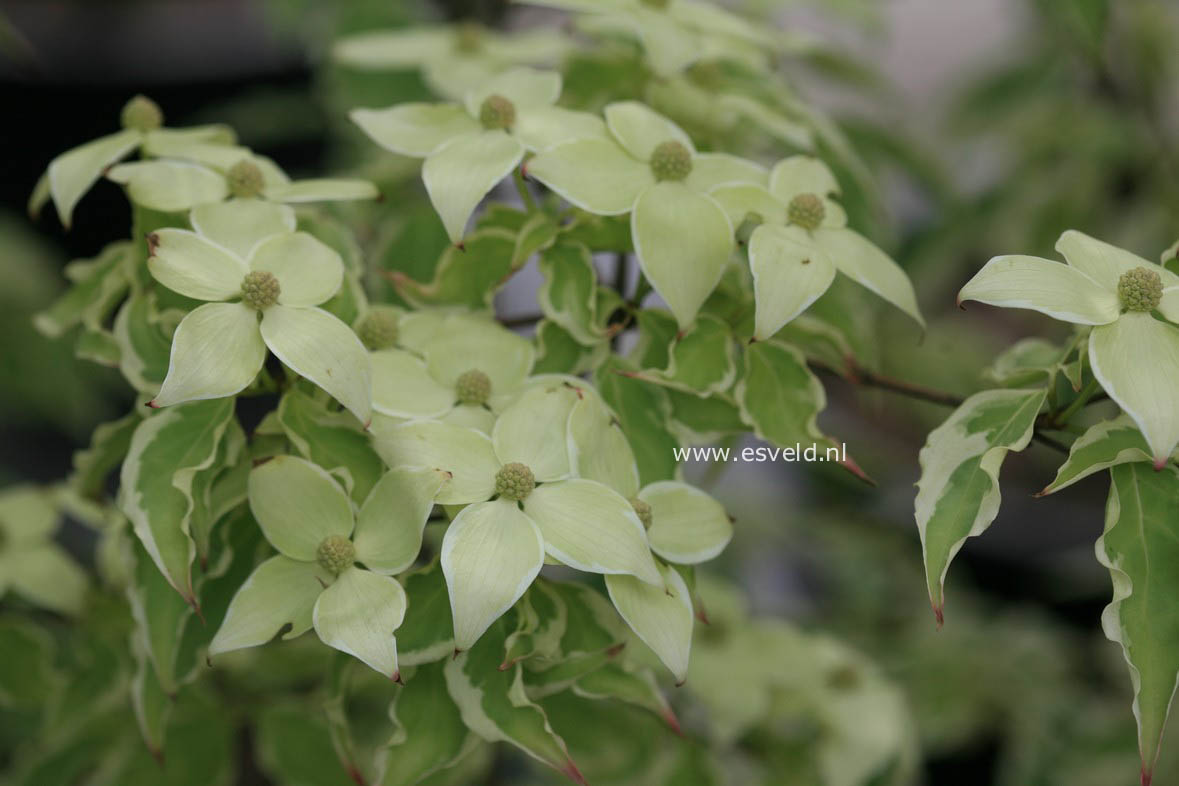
(940, 615)
(570, 770)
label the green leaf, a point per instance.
(1106, 444)
(593, 635)
(429, 734)
(698, 421)
(491, 553)
(298, 505)
(167, 450)
(144, 338)
(458, 175)
(294, 748)
(389, 526)
(72, 173)
(630, 684)
(1060, 291)
(661, 615)
(779, 397)
(1140, 546)
(427, 634)
(568, 296)
(494, 706)
(467, 276)
(643, 411)
(98, 285)
(108, 446)
(151, 705)
(159, 616)
(333, 440)
(558, 352)
(358, 613)
(683, 240)
(701, 361)
(540, 625)
(958, 493)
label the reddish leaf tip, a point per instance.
(356, 775)
(1147, 776)
(673, 722)
(1159, 463)
(617, 648)
(570, 770)
(939, 614)
(152, 404)
(396, 677)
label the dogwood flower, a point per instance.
(1131, 304)
(453, 59)
(649, 168)
(31, 564)
(470, 147)
(212, 173)
(798, 240)
(247, 252)
(71, 174)
(334, 568)
(522, 502)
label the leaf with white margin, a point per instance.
(542, 127)
(46, 576)
(701, 361)
(1140, 546)
(1106, 444)
(389, 525)
(308, 271)
(688, 526)
(591, 527)
(429, 734)
(169, 186)
(73, 172)
(861, 261)
(640, 129)
(316, 345)
(568, 295)
(403, 388)
(801, 175)
(331, 439)
(97, 285)
(155, 485)
(626, 682)
(465, 453)
(596, 175)
(240, 224)
(683, 240)
(779, 397)
(494, 705)
(1104, 263)
(541, 618)
(532, 430)
(298, 505)
(187, 263)
(459, 174)
(660, 614)
(415, 129)
(790, 271)
(1136, 360)
(427, 634)
(526, 88)
(490, 555)
(322, 189)
(358, 613)
(598, 450)
(281, 592)
(1052, 288)
(958, 494)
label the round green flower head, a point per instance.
(473, 387)
(708, 74)
(806, 211)
(514, 481)
(378, 330)
(469, 37)
(671, 161)
(335, 554)
(1140, 289)
(497, 112)
(142, 114)
(745, 229)
(642, 510)
(245, 179)
(260, 289)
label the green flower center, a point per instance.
(806, 211)
(745, 229)
(642, 510)
(707, 74)
(335, 554)
(473, 387)
(514, 481)
(260, 289)
(142, 114)
(378, 330)
(469, 37)
(497, 112)
(1140, 289)
(671, 161)
(245, 179)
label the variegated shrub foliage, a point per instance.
(336, 431)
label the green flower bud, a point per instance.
(378, 330)
(642, 510)
(473, 387)
(671, 161)
(335, 554)
(245, 179)
(806, 211)
(745, 229)
(260, 289)
(469, 37)
(707, 74)
(514, 481)
(1140, 289)
(142, 114)
(497, 112)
